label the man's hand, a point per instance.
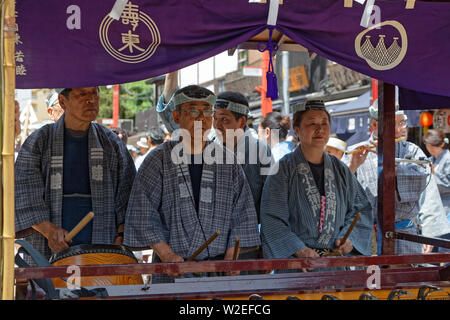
(166, 254)
(119, 236)
(357, 159)
(306, 253)
(229, 256)
(118, 241)
(55, 235)
(170, 85)
(343, 248)
(427, 248)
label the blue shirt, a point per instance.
(281, 149)
(77, 200)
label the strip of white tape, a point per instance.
(367, 12)
(118, 8)
(273, 12)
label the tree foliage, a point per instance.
(133, 98)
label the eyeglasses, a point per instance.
(208, 113)
(401, 124)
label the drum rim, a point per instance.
(91, 248)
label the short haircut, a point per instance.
(194, 92)
(66, 92)
(236, 97)
(118, 130)
(298, 116)
(157, 135)
(274, 120)
(434, 137)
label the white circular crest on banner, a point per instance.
(132, 49)
(379, 57)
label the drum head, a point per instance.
(91, 248)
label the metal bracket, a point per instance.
(389, 235)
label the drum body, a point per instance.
(92, 254)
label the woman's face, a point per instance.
(263, 133)
(314, 129)
(435, 151)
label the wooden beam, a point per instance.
(229, 265)
(348, 3)
(386, 161)
(232, 51)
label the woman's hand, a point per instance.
(343, 248)
(306, 253)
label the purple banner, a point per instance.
(415, 100)
(66, 45)
(411, 47)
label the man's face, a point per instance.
(195, 117)
(224, 120)
(335, 152)
(82, 104)
(55, 112)
(401, 127)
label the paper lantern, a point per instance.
(426, 119)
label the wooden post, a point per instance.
(386, 161)
(8, 130)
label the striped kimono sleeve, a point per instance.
(30, 180)
(278, 239)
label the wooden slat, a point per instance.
(279, 284)
(228, 265)
(386, 160)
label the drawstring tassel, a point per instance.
(272, 84)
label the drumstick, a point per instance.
(236, 249)
(347, 234)
(211, 239)
(79, 226)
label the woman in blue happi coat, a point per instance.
(310, 200)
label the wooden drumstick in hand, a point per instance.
(79, 226)
(344, 239)
(236, 249)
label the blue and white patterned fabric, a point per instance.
(291, 208)
(442, 175)
(411, 181)
(162, 209)
(281, 149)
(39, 182)
(432, 218)
(255, 157)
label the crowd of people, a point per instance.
(213, 173)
